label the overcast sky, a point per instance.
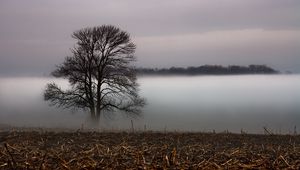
(35, 34)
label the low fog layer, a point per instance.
(183, 103)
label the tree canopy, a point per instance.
(100, 73)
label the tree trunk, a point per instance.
(94, 121)
(92, 111)
(98, 103)
(98, 115)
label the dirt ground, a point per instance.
(147, 150)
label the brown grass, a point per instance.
(149, 150)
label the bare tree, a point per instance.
(100, 74)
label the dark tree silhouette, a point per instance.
(100, 74)
(209, 70)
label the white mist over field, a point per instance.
(183, 103)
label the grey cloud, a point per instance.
(153, 17)
(35, 35)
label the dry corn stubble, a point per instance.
(149, 150)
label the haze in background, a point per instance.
(183, 103)
(35, 35)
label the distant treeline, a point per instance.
(209, 70)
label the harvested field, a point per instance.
(149, 150)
